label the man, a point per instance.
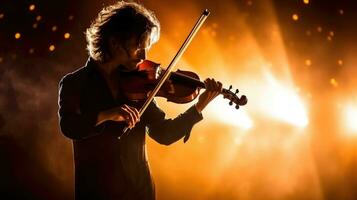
(93, 111)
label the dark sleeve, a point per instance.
(73, 123)
(168, 131)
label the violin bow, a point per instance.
(172, 64)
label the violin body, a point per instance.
(136, 85)
(180, 87)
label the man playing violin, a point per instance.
(93, 110)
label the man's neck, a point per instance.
(107, 68)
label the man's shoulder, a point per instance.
(79, 75)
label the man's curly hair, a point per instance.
(122, 20)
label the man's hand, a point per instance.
(121, 113)
(213, 89)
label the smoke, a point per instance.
(29, 131)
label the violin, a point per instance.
(181, 87)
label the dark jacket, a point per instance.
(106, 167)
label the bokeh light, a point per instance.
(51, 47)
(17, 35)
(341, 11)
(308, 62)
(308, 32)
(54, 28)
(295, 17)
(333, 82)
(319, 29)
(32, 7)
(67, 36)
(340, 62)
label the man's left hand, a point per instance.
(213, 89)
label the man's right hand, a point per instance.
(121, 113)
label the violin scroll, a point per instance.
(233, 97)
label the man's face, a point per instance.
(132, 53)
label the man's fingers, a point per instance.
(219, 86)
(132, 115)
(213, 85)
(208, 84)
(135, 113)
(129, 117)
(214, 88)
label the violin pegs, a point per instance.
(236, 91)
(230, 103)
(237, 106)
(230, 87)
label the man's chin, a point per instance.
(126, 68)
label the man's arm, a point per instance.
(167, 131)
(78, 125)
